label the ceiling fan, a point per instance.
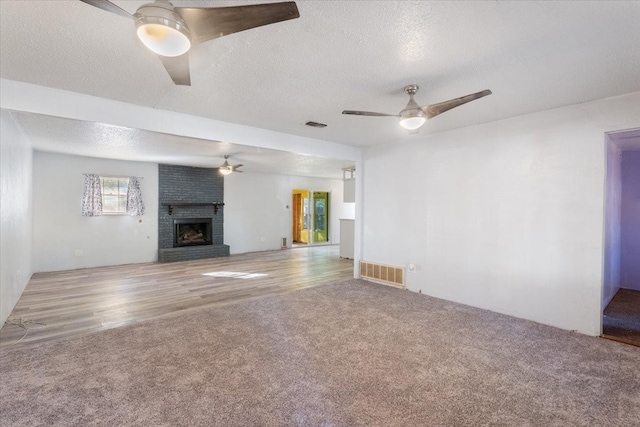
(226, 168)
(170, 31)
(413, 116)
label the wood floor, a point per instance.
(65, 304)
(621, 319)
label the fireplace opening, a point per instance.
(192, 232)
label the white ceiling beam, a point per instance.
(26, 97)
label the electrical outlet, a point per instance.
(412, 267)
(79, 252)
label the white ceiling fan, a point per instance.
(413, 116)
(171, 31)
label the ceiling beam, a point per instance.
(26, 97)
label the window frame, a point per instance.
(119, 195)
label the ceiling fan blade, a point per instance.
(109, 7)
(439, 108)
(236, 166)
(178, 68)
(367, 113)
(210, 23)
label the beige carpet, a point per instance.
(350, 354)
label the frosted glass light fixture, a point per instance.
(412, 123)
(412, 116)
(162, 30)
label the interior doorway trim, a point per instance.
(616, 143)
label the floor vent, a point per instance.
(382, 273)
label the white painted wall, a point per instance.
(60, 228)
(16, 213)
(256, 208)
(613, 200)
(506, 216)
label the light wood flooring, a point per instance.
(66, 304)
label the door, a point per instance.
(301, 216)
(310, 216)
(297, 217)
(320, 217)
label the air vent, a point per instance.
(316, 124)
(386, 274)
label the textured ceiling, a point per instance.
(341, 55)
(115, 142)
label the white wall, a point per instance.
(613, 200)
(256, 209)
(16, 213)
(506, 216)
(60, 229)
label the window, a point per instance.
(111, 195)
(114, 195)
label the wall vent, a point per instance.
(386, 274)
(316, 124)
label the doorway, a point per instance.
(310, 217)
(621, 279)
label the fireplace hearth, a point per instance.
(192, 232)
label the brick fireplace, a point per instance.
(192, 205)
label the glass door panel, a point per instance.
(306, 220)
(320, 216)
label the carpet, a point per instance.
(346, 354)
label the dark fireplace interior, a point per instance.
(192, 232)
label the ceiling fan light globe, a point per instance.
(412, 123)
(162, 30)
(225, 171)
(164, 40)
